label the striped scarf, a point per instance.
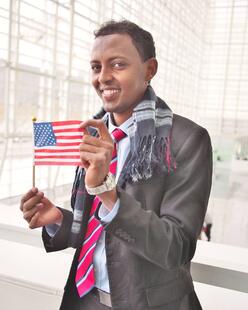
(150, 152)
(150, 139)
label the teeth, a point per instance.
(109, 92)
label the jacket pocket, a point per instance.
(164, 294)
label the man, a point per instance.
(151, 216)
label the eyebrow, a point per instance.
(110, 59)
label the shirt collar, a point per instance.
(124, 126)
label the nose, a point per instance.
(105, 75)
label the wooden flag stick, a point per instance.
(34, 119)
(33, 175)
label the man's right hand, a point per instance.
(39, 211)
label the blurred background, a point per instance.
(202, 50)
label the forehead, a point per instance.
(113, 45)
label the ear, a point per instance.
(152, 66)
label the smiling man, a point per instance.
(120, 74)
(139, 199)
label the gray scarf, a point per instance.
(150, 139)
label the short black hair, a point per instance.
(142, 39)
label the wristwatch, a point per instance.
(107, 185)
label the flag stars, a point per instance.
(44, 135)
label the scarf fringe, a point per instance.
(153, 156)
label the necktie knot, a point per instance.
(118, 134)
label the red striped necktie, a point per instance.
(85, 278)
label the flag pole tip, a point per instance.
(34, 119)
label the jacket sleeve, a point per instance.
(169, 239)
(60, 240)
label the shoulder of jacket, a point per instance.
(182, 129)
(181, 123)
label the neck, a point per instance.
(119, 119)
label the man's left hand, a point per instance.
(96, 152)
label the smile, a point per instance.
(110, 94)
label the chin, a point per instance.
(109, 107)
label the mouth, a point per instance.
(110, 94)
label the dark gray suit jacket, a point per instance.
(152, 239)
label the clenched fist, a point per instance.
(38, 211)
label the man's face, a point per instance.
(119, 75)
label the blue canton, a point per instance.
(44, 135)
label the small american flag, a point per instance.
(56, 143)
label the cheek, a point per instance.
(133, 84)
(136, 87)
(94, 82)
(138, 79)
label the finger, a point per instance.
(85, 130)
(85, 164)
(92, 148)
(28, 195)
(97, 142)
(29, 214)
(46, 202)
(33, 201)
(85, 146)
(96, 159)
(34, 221)
(100, 126)
(85, 158)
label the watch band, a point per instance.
(108, 184)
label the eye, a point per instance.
(96, 68)
(118, 65)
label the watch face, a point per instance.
(110, 182)
(107, 185)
